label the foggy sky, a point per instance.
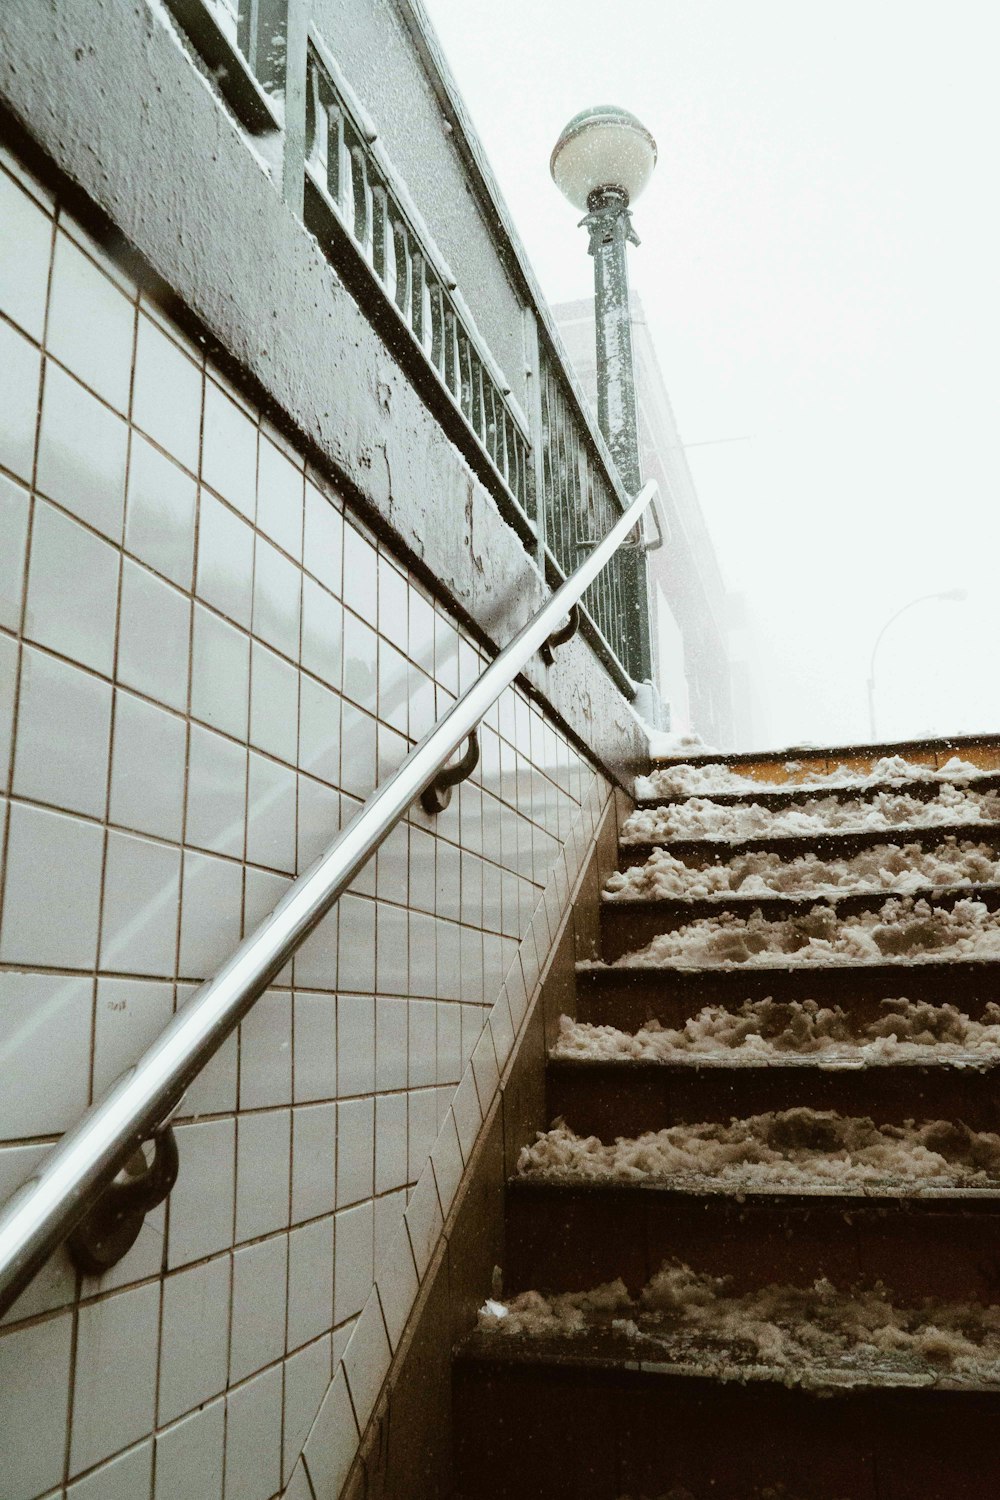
(819, 268)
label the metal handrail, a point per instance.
(44, 1211)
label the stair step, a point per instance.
(626, 996)
(940, 1243)
(833, 844)
(549, 1429)
(788, 796)
(628, 1098)
(629, 924)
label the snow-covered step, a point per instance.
(706, 850)
(630, 925)
(727, 784)
(628, 997)
(594, 1418)
(793, 795)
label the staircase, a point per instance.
(780, 1283)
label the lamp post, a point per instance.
(953, 596)
(602, 161)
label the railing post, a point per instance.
(296, 82)
(533, 370)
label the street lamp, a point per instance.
(602, 161)
(953, 596)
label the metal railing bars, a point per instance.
(43, 1212)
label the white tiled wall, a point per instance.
(205, 666)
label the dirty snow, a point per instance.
(792, 1148)
(901, 929)
(900, 868)
(700, 780)
(763, 1031)
(664, 746)
(701, 818)
(806, 1335)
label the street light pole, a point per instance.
(602, 161)
(954, 596)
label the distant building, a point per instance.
(692, 615)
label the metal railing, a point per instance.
(47, 1209)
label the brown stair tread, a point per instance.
(791, 793)
(725, 1060)
(685, 1358)
(835, 842)
(782, 904)
(902, 1191)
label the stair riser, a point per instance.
(627, 997)
(627, 926)
(567, 1239)
(611, 1101)
(701, 852)
(548, 1433)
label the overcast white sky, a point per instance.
(820, 263)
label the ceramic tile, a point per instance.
(355, 1150)
(357, 751)
(190, 1456)
(393, 681)
(45, 1045)
(307, 1376)
(229, 451)
(393, 605)
(393, 882)
(280, 499)
(128, 1476)
(277, 589)
(318, 820)
(82, 454)
(129, 1016)
(14, 509)
(448, 938)
(225, 560)
(154, 637)
(322, 630)
(147, 768)
(355, 1044)
(356, 965)
(201, 1204)
(263, 1161)
(421, 630)
(253, 1438)
(366, 1359)
(141, 890)
(310, 1281)
(360, 663)
(63, 734)
(260, 1288)
(53, 864)
(421, 707)
(274, 704)
(266, 1052)
(354, 1267)
(271, 814)
(315, 1047)
(421, 1128)
(220, 674)
(449, 1042)
(72, 589)
(333, 1442)
(314, 1151)
(114, 1391)
(316, 960)
(391, 1043)
(20, 371)
(160, 512)
(392, 967)
(217, 793)
(91, 324)
(319, 731)
(324, 540)
(194, 1346)
(423, 954)
(215, 1088)
(210, 917)
(423, 1220)
(166, 398)
(360, 574)
(33, 1431)
(390, 1142)
(24, 277)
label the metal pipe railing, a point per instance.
(44, 1211)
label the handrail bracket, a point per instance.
(112, 1224)
(436, 797)
(559, 637)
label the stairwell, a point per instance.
(757, 1254)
